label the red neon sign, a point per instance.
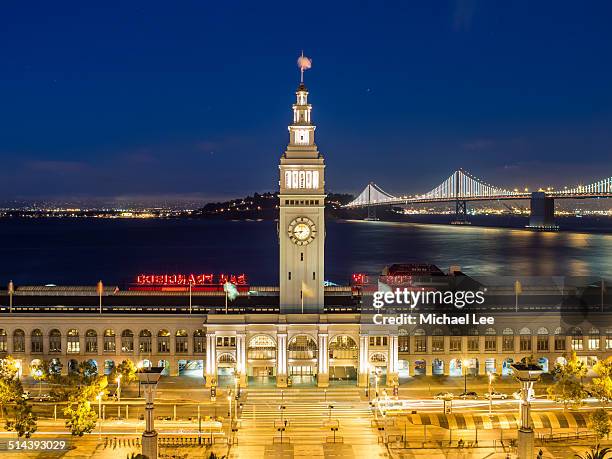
(189, 279)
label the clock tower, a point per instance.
(301, 229)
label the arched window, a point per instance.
(490, 331)
(91, 341)
(508, 331)
(3, 340)
(558, 331)
(302, 347)
(227, 359)
(343, 347)
(18, 341)
(181, 341)
(419, 332)
(127, 341)
(109, 340)
(144, 341)
(525, 331)
(37, 341)
(163, 341)
(73, 343)
(542, 331)
(199, 342)
(262, 347)
(55, 341)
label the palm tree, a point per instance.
(595, 453)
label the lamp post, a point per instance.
(118, 381)
(99, 399)
(464, 363)
(527, 374)
(149, 377)
(491, 378)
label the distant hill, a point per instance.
(263, 206)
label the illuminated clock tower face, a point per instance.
(301, 229)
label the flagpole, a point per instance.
(602, 293)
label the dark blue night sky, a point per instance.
(192, 99)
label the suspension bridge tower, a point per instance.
(301, 227)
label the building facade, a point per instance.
(299, 333)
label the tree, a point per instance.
(599, 422)
(11, 389)
(81, 388)
(22, 421)
(568, 388)
(81, 417)
(595, 453)
(601, 386)
(127, 370)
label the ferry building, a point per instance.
(300, 332)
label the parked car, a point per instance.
(26, 395)
(495, 395)
(468, 395)
(443, 396)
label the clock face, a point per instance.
(302, 231)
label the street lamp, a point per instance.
(99, 399)
(527, 374)
(465, 364)
(491, 378)
(149, 378)
(118, 381)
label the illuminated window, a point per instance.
(199, 342)
(181, 341)
(455, 343)
(473, 343)
(525, 343)
(109, 340)
(73, 344)
(302, 347)
(262, 347)
(542, 343)
(55, 341)
(403, 343)
(19, 341)
(144, 341)
(490, 343)
(3, 341)
(91, 341)
(577, 343)
(437, 344)
(163, 341)
(37, 341)
(127, 341)
(420, 344)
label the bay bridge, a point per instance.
(461, 187)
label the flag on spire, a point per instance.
(304, 63)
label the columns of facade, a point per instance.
(517, 345)
(241, 362)
(364, 364)
(551, 344)
(211, 360)
(118, 344)
(568, 343)
(392, 362)
(534, 346)
(585, 342)
(323, 359)
(281, 360)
